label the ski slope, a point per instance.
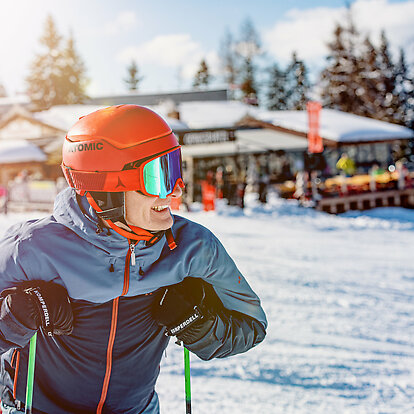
(339, 296)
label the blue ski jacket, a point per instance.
(110, 363)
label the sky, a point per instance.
(169, 39)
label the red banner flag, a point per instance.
(315, 144)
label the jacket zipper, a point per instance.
(132, 249)
(130, 258)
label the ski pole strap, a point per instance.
(187, 381)
(30, 374)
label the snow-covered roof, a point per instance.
(334, 125)
(64, 116)
(14, 100)
(338, 126)
(20, 151)
(211, 114)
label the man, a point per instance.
(112, 274)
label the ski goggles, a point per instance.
(156, 177)
(161, 175)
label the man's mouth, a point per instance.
(160, 208)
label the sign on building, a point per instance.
(206, 137)
(315, 144)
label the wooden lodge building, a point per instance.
(215, 133)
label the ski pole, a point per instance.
(30, 374)
(187, 381)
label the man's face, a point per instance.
(149, 213)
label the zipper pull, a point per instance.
(132, 248)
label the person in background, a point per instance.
(4, 198)
(264, 179)
(111, 275)
(241, 189)
(346, 165)
(208, 192)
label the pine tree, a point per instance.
(389, 101)
(202, 77)
(57, 75)
(228, 60)
(341, 85)
(73, 80)
(364, 80)
(43, 81)
(277, 91)
(133, 79)
(334, 91)
(404, 89)
(370, 77)
(378, 80)
(248, 48)
(298, 85)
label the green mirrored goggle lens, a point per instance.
(162, 173)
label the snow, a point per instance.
(339, 296)
(64, 116)
(19, 151)
(339, 126)
(334, 125)
(14, 100)
(211, 114)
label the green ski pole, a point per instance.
(30, 374)
(187, 381)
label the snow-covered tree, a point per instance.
(133, 80)
(202, 76)
(57, 75)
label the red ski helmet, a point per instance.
(108, 150)
(117, 149)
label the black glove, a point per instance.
(187, 309)
(39, 304)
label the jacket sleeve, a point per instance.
(241, 323)
(13, 334)
(231, 333)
